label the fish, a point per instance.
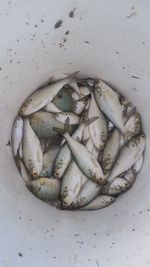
(130, 176)
(23, 171)
(71, 184)
(84, 159)
(31, 150)
(98, 129)
(48, 161)
(64, 100)
(108, 102)
(111, 151)
(45, 189)
(51, 107)
(16, 136)
(99, 202)
(128, 156)
(80, 104)
(43, 122)
(89, 191)
(125, 105)
(64, 156)
(42, 97)
(62, 116)
(138, 165)
(118, 186)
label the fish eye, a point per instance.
(21, 110)
(102, 202)
(143, 136)
(100, 179)
(64, 203)
(34, 174)
(57, 173)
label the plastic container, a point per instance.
(109, 39)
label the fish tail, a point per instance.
(65, 130)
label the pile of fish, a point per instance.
(78, 143)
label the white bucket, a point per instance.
(109, 39)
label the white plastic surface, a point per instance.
(118, 48)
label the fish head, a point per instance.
(57, 173)
(34, 186)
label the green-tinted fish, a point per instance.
(128, 156)
(84, 159)
(42, 97)
(63, 100)
(108, 102)
(31, 150)
(71, 184)
(44, 122)
(111, 151)
(44, 188)
(99, 202)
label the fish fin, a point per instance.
(84, 142)
(92, 120)
(66, 127)
(84, 98)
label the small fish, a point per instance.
(118, 186)
(62, 116)
(48, 160)
(89, 191)
(128, 156)
(42, 97)
(138, 165)
(64, 156)
(84, 159)
(98, 129)
(43, 123)
(16, 136)
(111, 151)
(32, 151)
(45, 189)
(51, 107)
(99, 202)
(108, 102)
(71, 184)
(125, 105)
(130, 177)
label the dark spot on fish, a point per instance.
(67, 32)
(58, 24)
(71, 13)
(20, 254)
(9, 143)
(135, 77)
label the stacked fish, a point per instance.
(78, 143)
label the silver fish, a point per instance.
(130, 177)
(48, 160)
(24, 173)
(80, 104)
(108, 102)
(42, 97)
(16, 136)
(99, 202)
(43, 123)
(98, 129)
(62, 116)
(84, 159)
(44, 188)
(32, 151)
(71, 184)
(89, 191)
(51, 107)
(138, 165)
(64, 156)
(128, 156)
(118, 186)
(111, 151)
